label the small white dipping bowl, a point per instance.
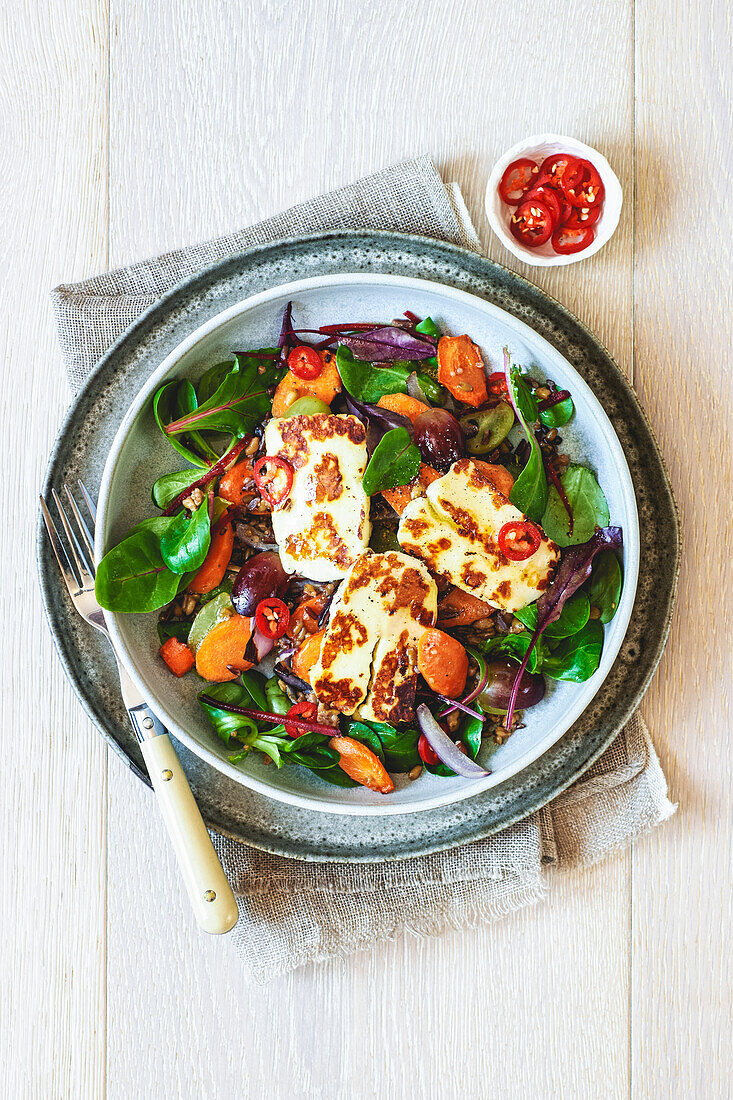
(537, 148)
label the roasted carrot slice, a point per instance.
(360, 763)
(443, 662)
(500, 478)
(238, 485)
(461, 370)
(222, 650)
(403, 404)
(177, 656)
(216, 561)
(307, 654)
(324, 387)
(307, 613)
(400, 497)
(459, 608)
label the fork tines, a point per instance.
(75, 557)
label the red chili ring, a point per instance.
(305, 362)
(497, 383)
(272, 617)
(305, 710)
(268, 479)
(519, 539)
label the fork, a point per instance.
(211, 895)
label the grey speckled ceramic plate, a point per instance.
(84, 442)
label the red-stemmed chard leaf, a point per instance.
(573, 571)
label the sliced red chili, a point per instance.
(274, 478)
(587, 189)
(532, 223)
(519, 539)
(567, 241)
(582, 217)
(517, 179)
(272, 617)
(561, 170)
(549, 196)
(305, 362)
(306, 712)
(497, 383)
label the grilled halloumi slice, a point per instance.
(323, 526)
(454, 529)
(368, 660)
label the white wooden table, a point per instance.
(129, 128)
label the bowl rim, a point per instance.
(609, 219)
(631, 541)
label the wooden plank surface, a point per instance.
(53, 793)
(213, 116)
(683, 914)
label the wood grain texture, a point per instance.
(53, 87)
(217, 114)
(683, 913)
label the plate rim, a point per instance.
(495, 274)
(188, 344)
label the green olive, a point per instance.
(486, 428)
(306, 406)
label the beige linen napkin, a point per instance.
(293, 912)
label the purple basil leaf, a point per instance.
(385, 344)
(377, 421)
(287, 334)
(574, 569)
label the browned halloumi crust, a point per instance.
(384, 605)
(454, 530)
(329, 524)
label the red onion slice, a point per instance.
(263, 645)
(445, 749)
(459, 704)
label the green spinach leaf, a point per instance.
(514, 645)
(275, 698)
(185, 544)
(187, 402)
(133, 578)
(587, 503)
(557, 415)
(396, 461)
(167, 487)
(573, 618)
(576, 658)
(529, 492)
(605, 585)
(367, 382)
(165, 410)
(428, 327)
(226, 724)
(396, 748)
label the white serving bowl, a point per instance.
(140, 454)
(537, 148)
